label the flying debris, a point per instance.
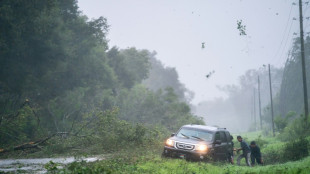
(294, 19)
(202, 45)
(241, 28)
(277, 13)
(210, 74)
(294, 33)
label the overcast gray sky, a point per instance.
(175, 29)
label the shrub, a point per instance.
(260, 142)
(273, 153)
(283, 152)
(296, 150)
(294, 130)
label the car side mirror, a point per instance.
(218, 142)
(173, 134)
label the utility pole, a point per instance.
(271, 101)
(259, 104)
(304, 79)
(252, 109)
(254, 102)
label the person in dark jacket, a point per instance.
(255, 154)
(232, 150)
(246, 151)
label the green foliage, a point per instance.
(20, 127)
(158, 165)
(131, 66)
(294, 130)
(281, 122)
(51, 167)
(59, 61)
(137, 63)
(296, 150)
(275, 151)
(140, 105)
(279, 152)
(260, 141)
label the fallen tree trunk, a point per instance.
(30, 145)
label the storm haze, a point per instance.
(198, 38)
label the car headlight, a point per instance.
(202, 147)
(169, 142)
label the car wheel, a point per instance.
(165, 155)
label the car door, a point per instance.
(224, 145)
(229, 143)
(218, 148)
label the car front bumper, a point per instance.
(187, 154)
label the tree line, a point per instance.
(58, 74)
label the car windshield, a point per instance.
(195, 134)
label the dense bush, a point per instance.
(294, 130)
(273, 153)
(296, 150)
(283, 152)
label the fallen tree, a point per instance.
(32, 144)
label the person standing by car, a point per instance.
(246, 151)
(232, 149)
(255, 154)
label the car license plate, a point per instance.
(182, 156)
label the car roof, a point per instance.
(204, 127)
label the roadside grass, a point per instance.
(147, 159)
(274, 150)
(181, 166)
(170, 166)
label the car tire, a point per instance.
(165, 155)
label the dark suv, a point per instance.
(199, 142)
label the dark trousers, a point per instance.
(257, 158)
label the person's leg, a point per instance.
(232, 159)
(239, 159)
(247, 158)
(253, 159)
(259, 160)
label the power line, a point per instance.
(283, 50)
(289, 17)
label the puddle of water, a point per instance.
(36, 165)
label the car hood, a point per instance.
(189, 140)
